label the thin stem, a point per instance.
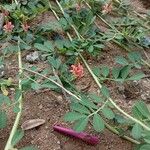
(113, 103)
(54, 83)
(112, 129)
(95, 112)
(16, 123)
(57, 17)
(59, 81)
(146, 63)
(77, 33)
(16, 2)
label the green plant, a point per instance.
(84, 37)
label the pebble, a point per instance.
(32, 57)
(2, 71)
(59, 98)
(41, 106)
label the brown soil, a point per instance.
(51, 107)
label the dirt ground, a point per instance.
(51, 106)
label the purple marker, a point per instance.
(92, 140)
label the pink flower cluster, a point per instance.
(107, 8)
(77, 70)
(8, 27)
(25, 27)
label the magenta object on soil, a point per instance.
(90, 139)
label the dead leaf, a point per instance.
(29, 124)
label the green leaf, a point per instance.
(49, 45)
(98, 123)
(49, 85)
(73, 116)
(86, 102)
(96, 71)
(116, 72)
(59, 44)
(105, 71)
(4, 99)
(108, 113)
(136, 131)
(17, 137)
(63, 23)
(55, 62)
(79, 108)
(96, 98)
(16, 108)
(81, 124)
(35, 86)
(3, 119)
(99, 46)
(17, 94)
(136, 113)
(29, 148)
(41, 47)
(120, 119)
(91, 48)
(147, 138)
(142, 108)
(105, 91)
(121, 60)
(137, 76)
(145, 147)
(125, 71)
(134, 56)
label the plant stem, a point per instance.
(112, 129)
(76, 97)
(146, 63)
(77, 33)
(16, 2)
(113, 103)
(16, 123)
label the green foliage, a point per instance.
(17, 137)
(127, 30)
(98, 123)
(81, 124)
(3, 119)
(47, 46)
(140, 108)
(136, 131)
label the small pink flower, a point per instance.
(77, 70)
(78, 7)
(8, 27)
(25, 27)
(107, 8)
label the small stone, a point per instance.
(121, 88)
(59, 98)
(32, 57)
(2, 71)
(41, 106)
(145, 96)
(58, 142)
